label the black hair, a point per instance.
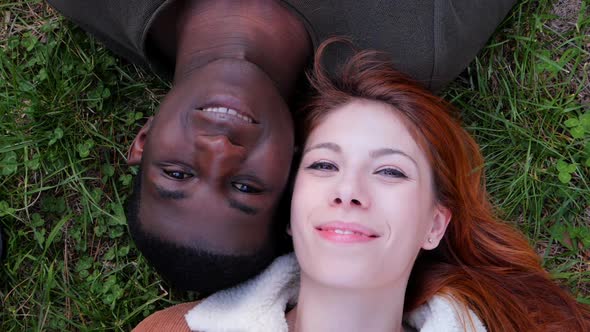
(191, 268)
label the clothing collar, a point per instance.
(259, 304)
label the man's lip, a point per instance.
(348, 226)
(219, 113)
(231, 102)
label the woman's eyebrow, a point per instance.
(326, 145)
(388, 151)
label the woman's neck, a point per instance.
(324, 308)
(261, 32)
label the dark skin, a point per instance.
(210, 178)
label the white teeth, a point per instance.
(228, 111)
(343, 231)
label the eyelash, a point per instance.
(396, 173)
(327, 167)
(177, 175)
(241, 187)
(321, 166)
(251, 189)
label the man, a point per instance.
(216, 157)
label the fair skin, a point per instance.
(363, 207)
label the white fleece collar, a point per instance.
(259, 305)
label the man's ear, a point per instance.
(288, 230)
(442, 217)
(136, 149)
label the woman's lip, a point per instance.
(333, 235)
(348, 227)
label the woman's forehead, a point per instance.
(363, 121)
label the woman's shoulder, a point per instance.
(170, 319)
(443, 313)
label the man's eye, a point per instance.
(178, 175)
(246, 188)
(323, 166)
(391, 172)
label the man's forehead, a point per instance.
(199, 211)
(208, 220)
(186, 206)
(207, 199)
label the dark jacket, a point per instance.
(431, 40)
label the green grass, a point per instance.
(69, 109)
(519, 99)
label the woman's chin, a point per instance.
(340, 274)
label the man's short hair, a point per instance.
(193, 268)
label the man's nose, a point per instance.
(218, 154)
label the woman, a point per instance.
(391, 226)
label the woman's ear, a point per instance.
(136, 149)
(442, 217)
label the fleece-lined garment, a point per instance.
(259, 306)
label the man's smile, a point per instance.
(223, 113)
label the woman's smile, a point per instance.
(346, 232)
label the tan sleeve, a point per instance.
(170, 319)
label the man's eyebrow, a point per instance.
(388, 151)
(326, 145)
(242, 207)
(170, 194)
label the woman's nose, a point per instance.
(350, 193)
(353, 201)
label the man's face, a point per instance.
(215, 159)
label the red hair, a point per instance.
(482, 262)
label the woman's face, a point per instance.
(363, 204)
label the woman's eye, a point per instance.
(178, 175)
(323, 166)
(391, 172)
(246, 188)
